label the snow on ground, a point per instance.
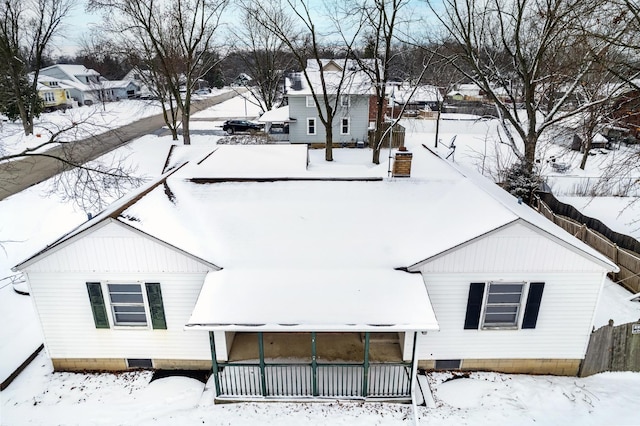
(82, 122)
(41, 397)
(242, 106)
(620, 214)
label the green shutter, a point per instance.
(97, 305)
(154, 295)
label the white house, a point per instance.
(344, 79)
(299, 283)
(84, 82)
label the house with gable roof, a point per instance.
(285, 280)
(344, 78)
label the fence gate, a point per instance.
(613, 348)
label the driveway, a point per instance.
(24, 172)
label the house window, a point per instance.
(502, 305)
(447, 364)
(311, 126)
(49, 97)
(53, 84)
(67, 94)
(310, 102)
(345, 101)
(345, 127)
(127, 304)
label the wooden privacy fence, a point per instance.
(397, 132)
(627, 260)
(613, 348)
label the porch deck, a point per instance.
(314, 365)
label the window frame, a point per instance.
(348, 126)
(516, 324)
(309, 125)
(145, 304)
(310, 101)
(49, 97)
(345, 101)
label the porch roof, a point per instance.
(313, 300)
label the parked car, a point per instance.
(233, 126)
(203, 91)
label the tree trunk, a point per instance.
(186, 109)
(530, 152)
(328, 151)
(585, 154)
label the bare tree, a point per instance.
(381, 18)
(521, 54)
(304, 41)
(180, 36)
(264, 56)
(26, 30)
(91, 185)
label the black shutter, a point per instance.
(533, 305)
(474, 306)
(154, 295)
(97, 305)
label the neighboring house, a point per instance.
(293, 283)
(85, 84)
(116, 90)
(56, 94)
(425, 97)
(142, 78)
(242, 79)
(351, 120)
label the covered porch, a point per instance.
(364, 347)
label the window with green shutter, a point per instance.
(97, 305)
(156, 307)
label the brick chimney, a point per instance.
(402, 163)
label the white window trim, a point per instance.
(519, 311)
(345, 101)
(311, 103)
(348, 132)
(109, 305)
(315, 126)
(49, 97)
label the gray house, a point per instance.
(343, 79)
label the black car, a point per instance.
(233, 126)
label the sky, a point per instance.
(80, 23)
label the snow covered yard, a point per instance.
(42, 397)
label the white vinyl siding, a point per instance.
(113, 247)
(114, 254)
(311, 126)
(562, 331)
(514, 254)
(345, 126)
(514, 248)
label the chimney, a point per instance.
(402, 163)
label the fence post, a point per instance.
(616, 250)
(214, 362)
(263, 378)
(365, 374)
(314, 364)
(583, 232)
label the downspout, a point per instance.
(414, 379)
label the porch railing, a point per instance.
(385, 380)
(312, 379)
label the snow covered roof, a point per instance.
(73, 70)
(355, 82)
(369, 300)
(116, 84)
(278, 115)
(424, 93)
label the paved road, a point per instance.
(27, 171)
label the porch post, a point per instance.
(314, 364)
(414, 363)
(365, 374)
(263, 379)
(214, 362)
